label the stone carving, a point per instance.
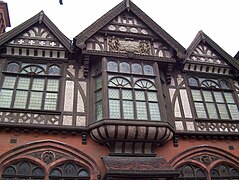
(129, 45)
(47, 156)
(205, 159)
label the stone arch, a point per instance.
(205, 157)
(47, 154)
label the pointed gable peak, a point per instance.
(128, 5)
(39, 18)
(203, 45)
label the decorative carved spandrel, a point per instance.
(47, 156)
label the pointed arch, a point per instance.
(39, 151)
(197, 153)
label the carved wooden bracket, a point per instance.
(84, 138)
(175, 140)
(169, 73)
(86, 61)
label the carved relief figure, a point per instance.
(114, 44)
(144, 47)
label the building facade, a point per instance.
(122, 100)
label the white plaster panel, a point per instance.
(69, 96)
(67, 120)
(185, 103)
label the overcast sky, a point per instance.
(182, 19)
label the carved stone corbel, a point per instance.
(84, 137)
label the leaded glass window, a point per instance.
(224, 171)
(190, 171)
(69, 171)
(30, 86)
(213, 99)
(132, 100)
(98, 98)
(23, 170)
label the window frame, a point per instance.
(212, 91)
(104, 73)
(30, 77)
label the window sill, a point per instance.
(55, 112)
(217, 120)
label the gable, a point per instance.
(203, 53)
(127, 29)
(37, 36)
(126, 33)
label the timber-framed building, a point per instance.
(122, 100)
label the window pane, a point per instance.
(23, 83)
(52, 85)
(201, 113)
(154, 111)
(20, 99)
(196, 95)
(124, 67)
(114, 93)
(139, 95)
(218, 96)
(207, 96)
(192, 81)
(98, 107)
(128, 110)
(112, 66)
(127, 94)
(6, 98)
(148, 70)
(13, 67)
(35, 100)
(54, 70)
(50, 101)
(229, 97)
(136, 68)
(141, 110)
(152, 96)
(223, 111)
(211, 109)
(98, 83)
(234, 111)
(98, 95)
(9, 82)
(38, 84)
(114, 107)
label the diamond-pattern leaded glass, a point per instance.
(128, 110)
(136, 68)
(127, 94)
(124, 67)
(35, 100)
(141, 110)
(148, 70)
(38, 84)
(152, 96)
(9, 82)
(20, 99)
(213, 99)
(139, 95)
(154, 111)
(114, 93)
(13, 67)
(50, 101)
(30, 91)
(99, 112)
(6, 98)
(112, 66)
(52, 84)
(114, 108)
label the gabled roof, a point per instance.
(38, 18)
(202, 37)
(130, 6)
